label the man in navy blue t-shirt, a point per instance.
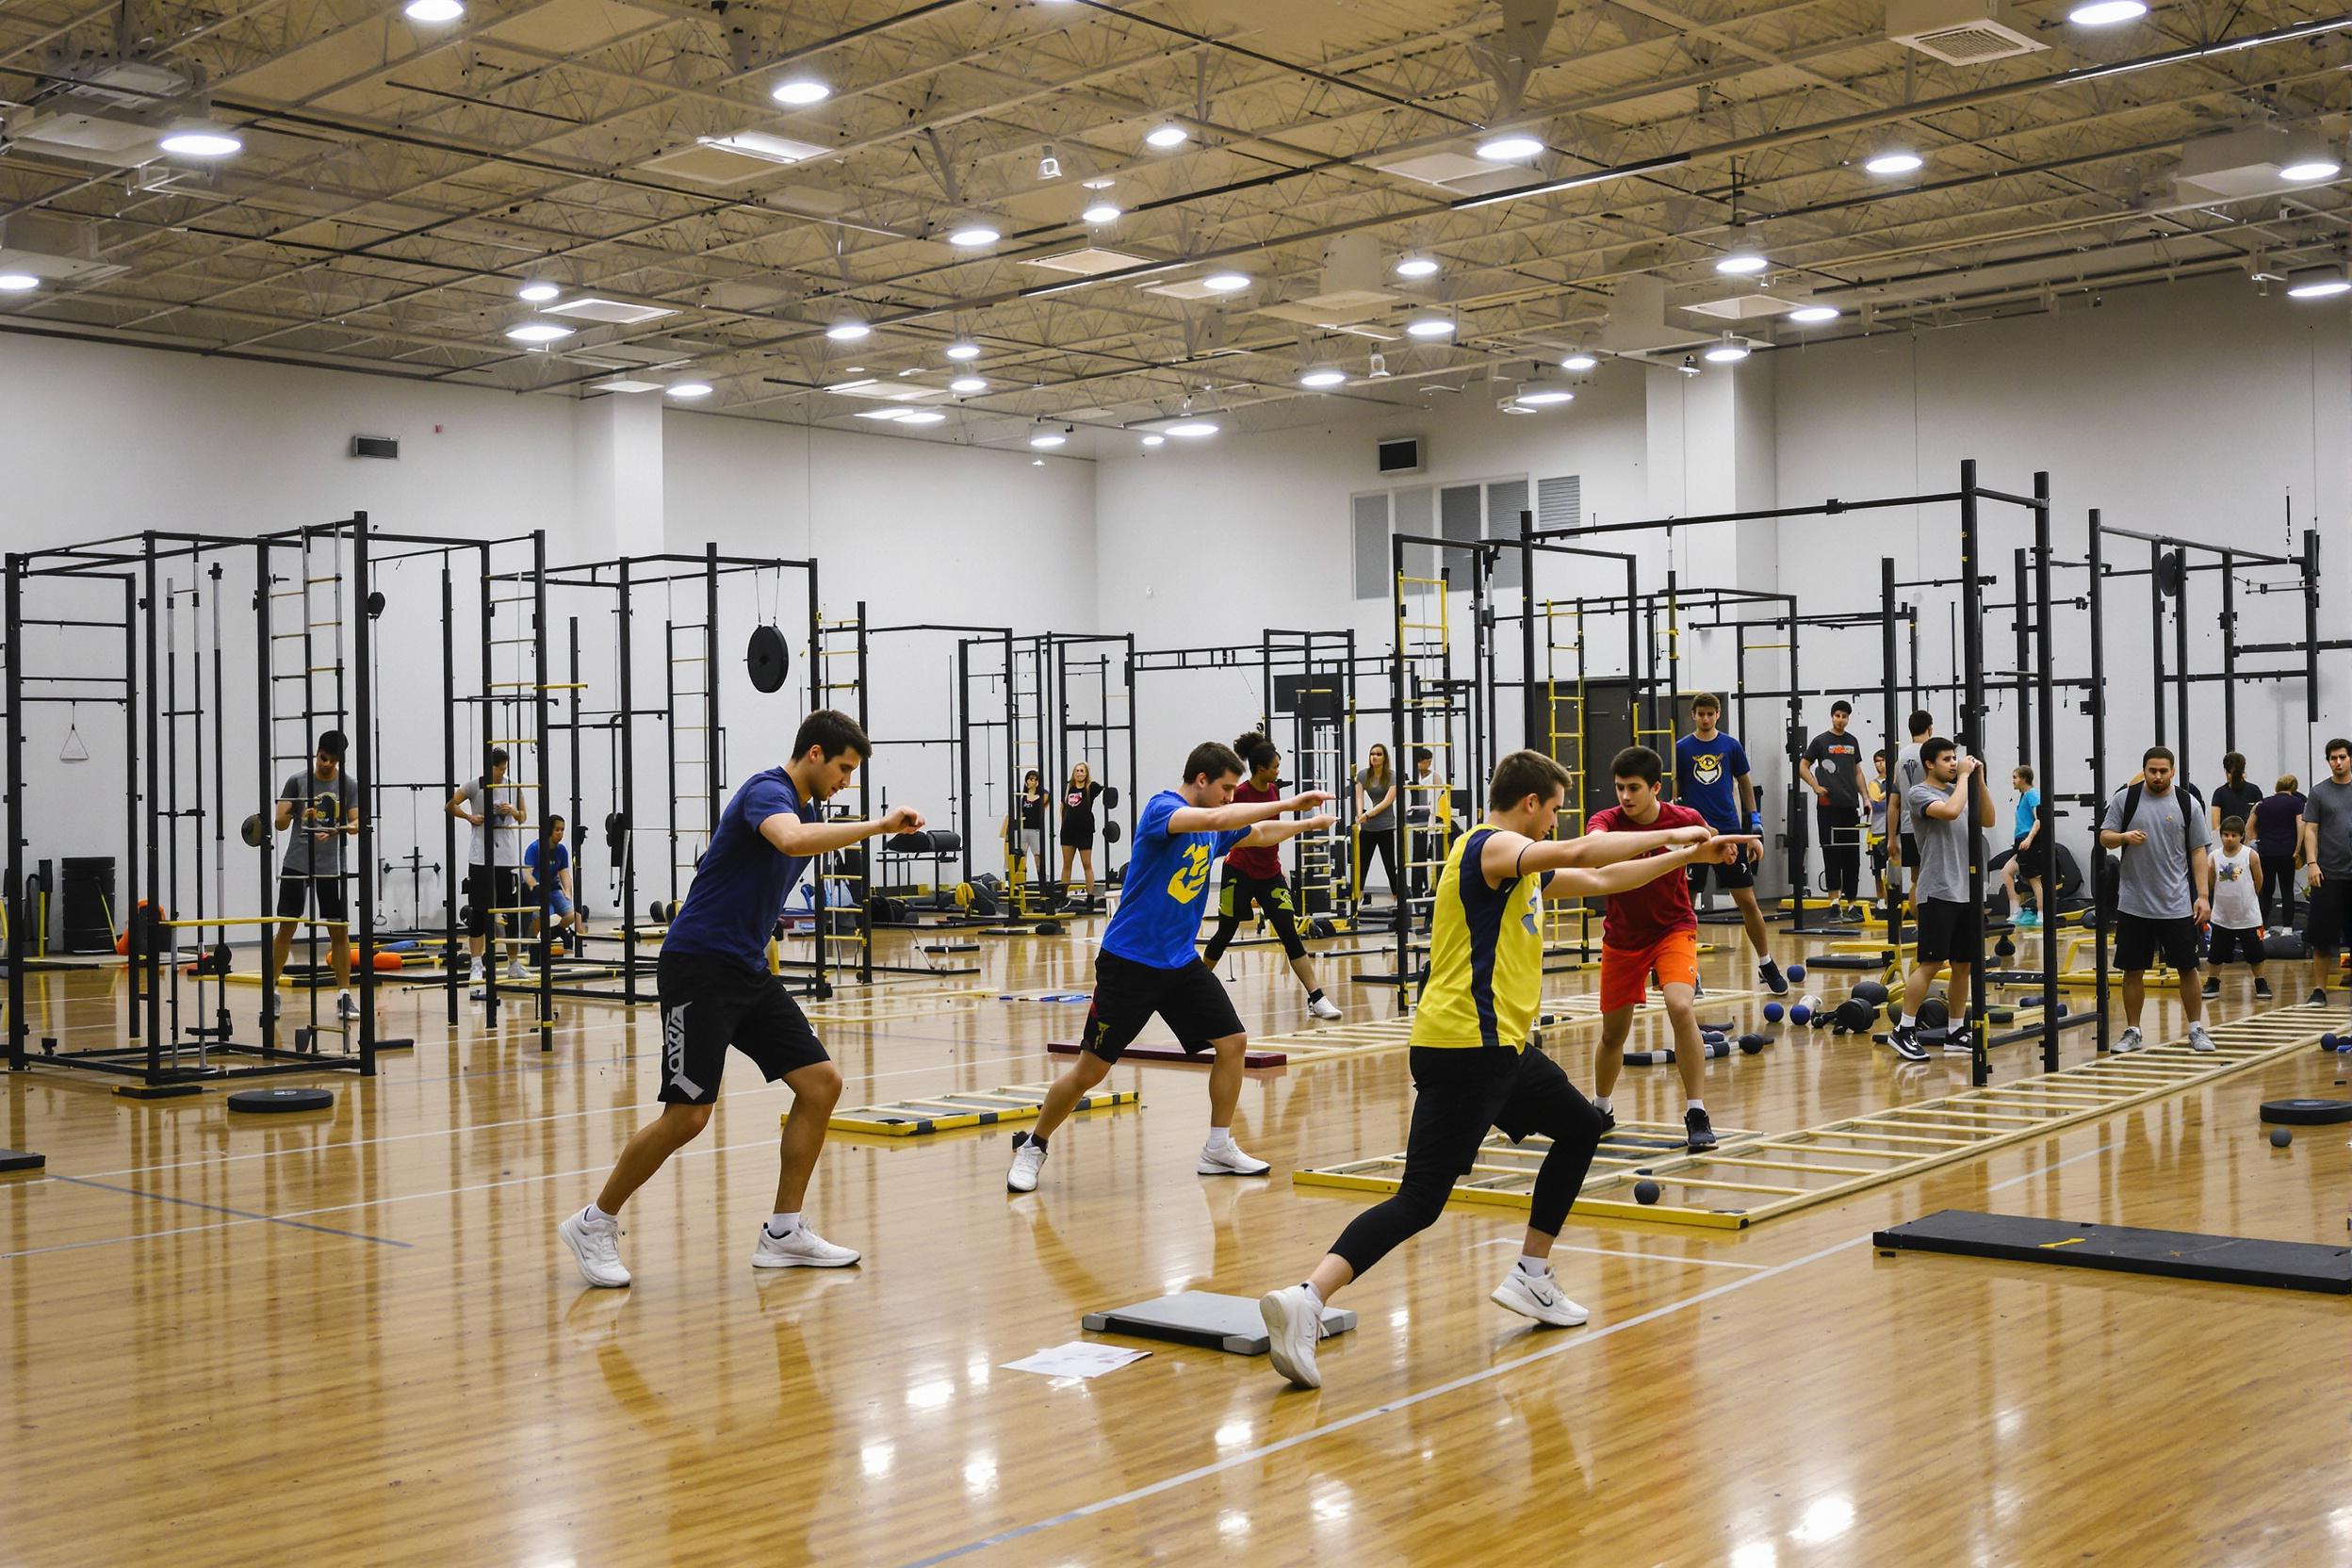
(716, 990)
(1711, 778)
(1150, 965)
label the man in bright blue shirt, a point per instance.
(1711, 778)
(716, 990)
(1149, 963)
(2024, 829)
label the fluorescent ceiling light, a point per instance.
(1729, 351)
(2106, 13)
(1322, 375)
(202, 144)
(1100, 182)
(1164, 136)
(800, 92)
(1100, 212)
(1155, 440)
(538, 332)
(1416, 266)
(847, 331)
(1226, 283)
(758, 144)
(886, 414)
(1812, 315)
(690, 389)
(1580, 362)
(1429, 324)
(434, 10)
(1543, 391)
(2317, 283)
(1193, 430)
(17, 283)
(1516, 147)
(963, 350)
(971, 236)
(1740, 263)
(537, 291)
(851, 385)
(923, 417)
(968, 384)
(1046, 440)
(1894, 162)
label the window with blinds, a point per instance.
(1459, 513)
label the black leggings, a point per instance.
(1841, 848)
(1458, 1095)
(1380, 846)
(2279, 890)
(1240, 890)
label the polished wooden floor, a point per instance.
(353, 1338)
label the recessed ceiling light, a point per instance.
(1193, 430)
(1729, 351)
(1226, 283)
(1414, 265)
(847, 331)
(538, 332)
(1813, 315)
(1321, 376)
(1740, 263)
(17, 283)
(1578, 362)
(1894, 162)
(202, 144)
(2317, 283)
(434, 10)
(800, 92)
(1429, 324)
(1100, 212)
(538, 292)
(923, 417)
(971, 236)
(1155, 440)
(1517, 147)
(1046, 440)
(690, 389)
(1164, 136)
(2106, 13)
(968, 384)
(963, 350)
(2309, 157)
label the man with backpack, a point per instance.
(2164, 889)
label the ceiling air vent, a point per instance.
(1960, 32)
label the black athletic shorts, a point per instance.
(1910, 853)
(489, 888)
(296, 892)
(1237, 891)
(2331, 916)
(1190, 1000)
(710, 1003)
(2138, 939)
(1739, 875)
(2223, 945)
(1461, 1092)
(1945, 933)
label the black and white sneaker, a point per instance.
(1698, 1133)
(2261, 991)
(1774, 982)
(2318, 998)
(1608, 1121)
(1959, 1042)
(2213, 986)
(1904, 1039)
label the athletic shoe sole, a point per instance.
(1277, 1322)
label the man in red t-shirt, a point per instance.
(1650, 930)
(1253, 875)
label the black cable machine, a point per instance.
(1069, 700)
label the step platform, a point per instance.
(1213, 1322)
(1251, 1057)
(947, 1113)
(2123, 1249)
(12, 1160)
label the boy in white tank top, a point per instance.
(2237, 926)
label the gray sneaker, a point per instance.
(2130, 1042)
(2199, 1038)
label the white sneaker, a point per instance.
(1293, 1324)
(2199, 1038)
(1028, 1158)
(1538, 1297)
(346, 1005)
(515, 969)
(1324, 1008)
(803, 1248)
(2131, 1041)
(596, 1245)
(1229, 1161)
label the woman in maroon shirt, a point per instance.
(1254, 875)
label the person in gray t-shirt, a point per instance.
(494, 808)
(317, 810)
(2327, 851)
(2164, 889)
(1907, 773)
(1376, 821)
(1951, 924)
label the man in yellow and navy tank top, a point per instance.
(1472, 1066)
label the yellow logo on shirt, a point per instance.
(1707, 766)
(1192, 874)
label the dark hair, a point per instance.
(1423, 754)
(1636, 763)
(2155, 754)
(554, 822)
(1255, 750)
(1212, 758)
(1523, 774)
(1879, 756)
(834, 730)
(2233, 824)
(1031, 774)
(1922, 722)
(1706, 700)
(2024, 771)
(1933, 750)
(1842, 706)
(2339, 744)
(2235, 765)
(497, 761)
(333, 744)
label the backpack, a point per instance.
(2110, 865)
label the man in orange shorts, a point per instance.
(1650, 930)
